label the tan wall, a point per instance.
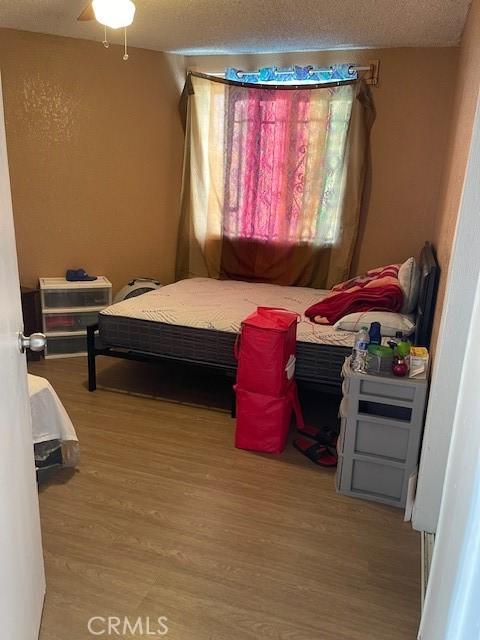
(95, 148)
(413, 101)
(466, 98)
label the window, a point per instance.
(284, 152)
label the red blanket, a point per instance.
(379, 290)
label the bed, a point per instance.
(196, 322)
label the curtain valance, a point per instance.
(337, 72)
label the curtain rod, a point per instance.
(219, 77)
(373, 67)
(351, 68)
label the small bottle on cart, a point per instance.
(359, 353)
(375, 333)
(399, 366)
(392, 343)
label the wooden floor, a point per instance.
(165, 518)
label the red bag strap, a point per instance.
(297, 409)
(236, 347)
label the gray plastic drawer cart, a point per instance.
(381, 428)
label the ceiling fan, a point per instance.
(116, 14)
(111, 13)
(87, 14)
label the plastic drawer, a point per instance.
(384, 410)
(60, 346)
(58, 322)
(388, 391)
(71, 298)
(377, 480)
(381, 439)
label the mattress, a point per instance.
(197, 321)
(221, 305)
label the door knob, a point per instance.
(34, 342)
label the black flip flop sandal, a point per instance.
(327, 437)
(318, 453)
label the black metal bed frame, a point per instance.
(426, 307)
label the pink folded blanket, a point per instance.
(379, 290)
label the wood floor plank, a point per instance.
(166, 518)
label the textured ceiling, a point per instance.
(248, 26)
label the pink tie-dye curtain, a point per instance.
(266, 179)
(284, 154)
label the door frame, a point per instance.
(453, 592)
(463, 275)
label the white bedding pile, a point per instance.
(222, 305)
(50, 421)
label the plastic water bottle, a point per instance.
(359, 353)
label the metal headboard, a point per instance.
(429, 275)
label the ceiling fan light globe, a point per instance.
(114, 14)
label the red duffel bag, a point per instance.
(263, 421)
(265, 351)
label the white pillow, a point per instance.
(391, 322)
(409, 278)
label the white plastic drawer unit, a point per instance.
(57, 293)
(66, 322)
(61, 346)
(68, 308)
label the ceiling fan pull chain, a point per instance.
(105, 43)
(125, 55)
